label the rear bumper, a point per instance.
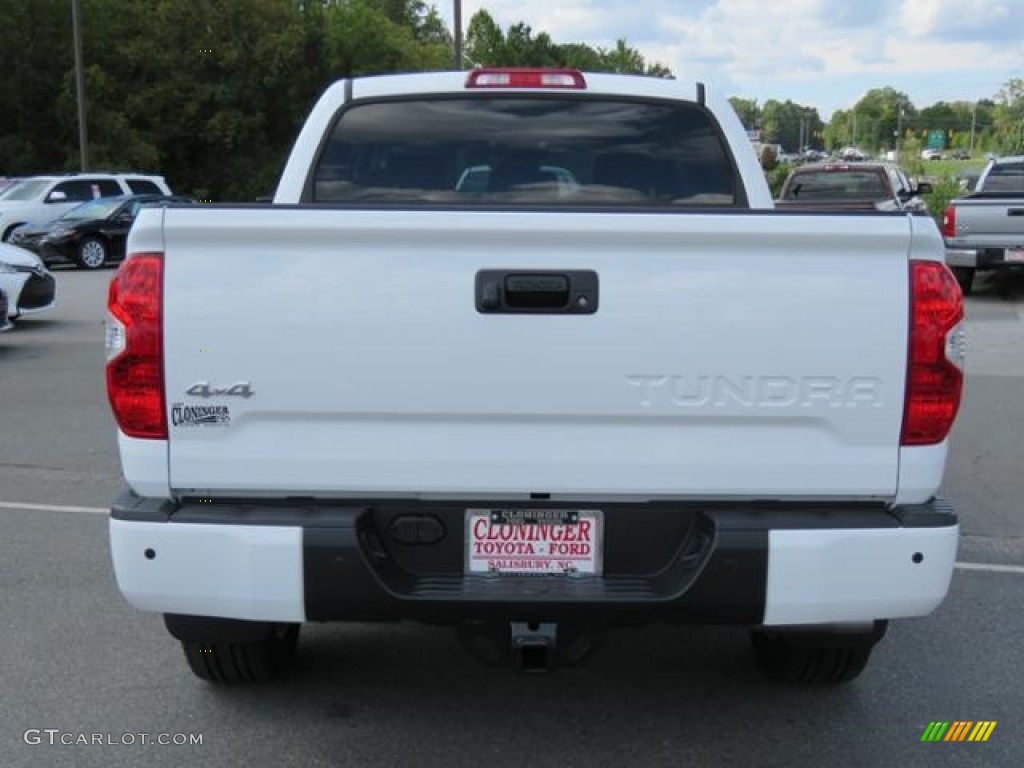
(958, 257)
(715, 564)
(983, 259)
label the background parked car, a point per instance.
(6, 182)
(852, 186)
(854, 155)
(90, 235)
(931, 154)
(40, 199)
(29, 286)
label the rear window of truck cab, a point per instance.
(516, 150)
(836, 185)
(1006, 178)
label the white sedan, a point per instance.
(29, 286)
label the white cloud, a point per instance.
(984, 19)
(824, 53)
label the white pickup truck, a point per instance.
(529, 353)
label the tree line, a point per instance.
(885, 116)
(211, 93)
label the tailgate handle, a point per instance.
(1015, 212)
(550, 292)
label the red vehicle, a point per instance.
(851, 186)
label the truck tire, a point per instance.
(234, 663)
(965, 277)
(814, 658)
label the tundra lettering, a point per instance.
(757, 391)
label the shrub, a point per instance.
(776, 177)
(944, 189)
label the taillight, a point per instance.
(949, 222)
(135, 347)
(935, 371)
(525, 77)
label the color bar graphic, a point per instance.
(982, 730)
(935, 731)
(958, 730)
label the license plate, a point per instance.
(534, 541)
(1014, 255)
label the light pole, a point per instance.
(83, 138)
(899, 131)
(974, 117)
(458, 33)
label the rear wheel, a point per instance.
(251, 661)
(92, 253)
(814, 657)
(965, 277)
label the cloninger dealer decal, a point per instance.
(200, 415)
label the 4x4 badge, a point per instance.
(203, 389)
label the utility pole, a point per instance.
(83, 138)
(458, 33)
(853, 141)
(899, 131)
(974, 117)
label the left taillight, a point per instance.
(949, 222)
(135, 347)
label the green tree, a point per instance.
(789, 124)
(747, 111)
(879, 117)
(488, 45)
(36, 40)
(485, 42)
(1008, 117)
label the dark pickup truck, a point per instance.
(985, 230)
(851, 187)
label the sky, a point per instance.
(818, 53)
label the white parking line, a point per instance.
(53, 508)
(988, 567)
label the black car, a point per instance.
(90, 235)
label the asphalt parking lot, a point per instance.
(78, 661)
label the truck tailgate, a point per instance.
(731, 354)
(990, 222)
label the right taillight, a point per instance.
(135, 347)
(949, 222)
(935, 371)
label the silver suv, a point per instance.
(40, 199)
